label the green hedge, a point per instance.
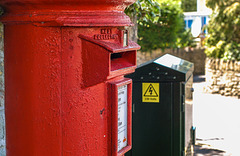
(223, 39)
(160, 25)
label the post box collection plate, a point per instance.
(121, 97)
(122, 117)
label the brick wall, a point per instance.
(223, 77)
(196, 56)
(2, 117)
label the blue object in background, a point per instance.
(188, 23)
(204, 22)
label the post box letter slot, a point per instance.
(122, 60)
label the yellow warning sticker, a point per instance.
(150, 92)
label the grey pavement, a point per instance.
(217, 121)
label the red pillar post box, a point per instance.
(65, 62)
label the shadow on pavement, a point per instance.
(202, 149)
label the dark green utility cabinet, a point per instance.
(162, 108)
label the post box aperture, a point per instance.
(108, 51)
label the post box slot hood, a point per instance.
(115, 59)
(112, 47)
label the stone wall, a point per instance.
(133, 30)
(196, 56)
(2, 116)
(223, 77)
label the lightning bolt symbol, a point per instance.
(150, 90)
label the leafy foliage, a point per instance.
(189, 5)
(160, 25)
(185, 39)
(144, 9)
(223, 40)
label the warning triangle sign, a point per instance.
(150, 92)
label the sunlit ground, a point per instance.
(217, 119)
